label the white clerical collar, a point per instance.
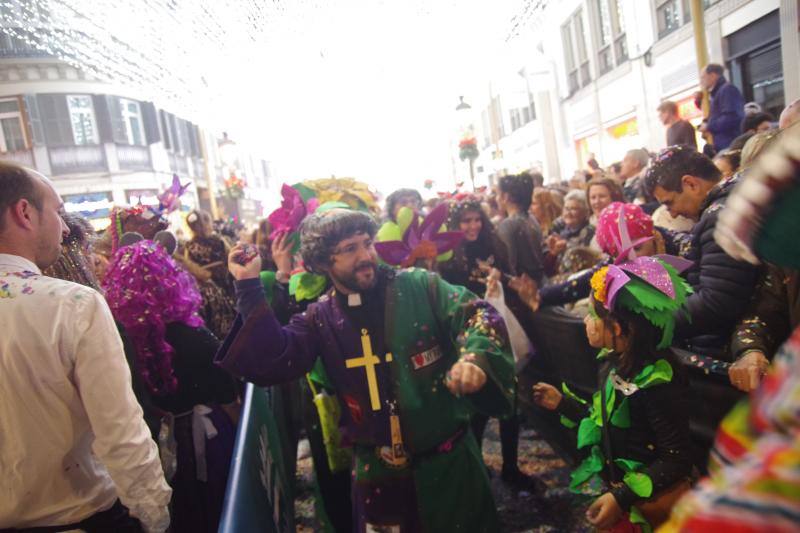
(354, 299)
(16, 263)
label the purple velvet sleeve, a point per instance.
(258, 349)
(249, 294)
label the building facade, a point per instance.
(597, 70)
(103, 146)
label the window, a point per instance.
(668, 16)
(672, 14)
(569, 56)
(132, 117)
(12, 138)
(81, 117)
(575, 54)
(612, 49)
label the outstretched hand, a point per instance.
(527, 289)
(546, 396)
(242, 263)
(465, 378)
(746, 373)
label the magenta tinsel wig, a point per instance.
(147, 290)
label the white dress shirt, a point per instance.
(72, 437)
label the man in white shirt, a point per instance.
(75, 452)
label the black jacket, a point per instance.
(658, 435)
(722, 285)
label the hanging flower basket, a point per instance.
(468, 149)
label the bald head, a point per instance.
(789, 115)
(17, 183)
(30, 215)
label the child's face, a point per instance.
(600, 336)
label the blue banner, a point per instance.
(260, 495)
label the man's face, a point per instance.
(630, 167)
(48, 225)
(708, 79)
(354, 263)
(686, 202)
(664, 117)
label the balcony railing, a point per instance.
(133, 157)
(77, 159)
(20, 157)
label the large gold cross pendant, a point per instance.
(368, 361)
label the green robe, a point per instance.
(416, 326)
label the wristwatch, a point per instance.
(282, 277)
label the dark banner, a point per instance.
(259, 496)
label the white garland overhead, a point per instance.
(257, 67)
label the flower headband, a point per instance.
(649, 286)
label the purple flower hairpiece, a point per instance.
(287, 218)
(170, 199)
(421, 241)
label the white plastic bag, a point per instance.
(520, 344)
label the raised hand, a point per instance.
(282, 253)
(243, 263)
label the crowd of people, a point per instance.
(123, 353)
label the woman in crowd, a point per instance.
(76, 263)
(600, 192)
(635, 429)
(570, 237)
(546, 208)
(210, 252)
(639, 228)
(158, 305)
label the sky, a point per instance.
(369, 89)
(352, 88)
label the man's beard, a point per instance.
(351, 279)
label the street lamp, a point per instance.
(227, 152)
(462, 106)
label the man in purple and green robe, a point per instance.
(410, 357)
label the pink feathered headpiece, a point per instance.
(146, 290)
(622, 227)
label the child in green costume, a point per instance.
(635, 428)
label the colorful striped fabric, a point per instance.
(755, 463)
